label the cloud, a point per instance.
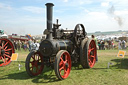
(65, 0)
(5, 6)
(122, 12)
(81, 2)
(98, 15)
(33, 9)
(105, 4)
(85, 10)
(76, 3)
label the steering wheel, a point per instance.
(79, 34)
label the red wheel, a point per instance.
(34, 63)
(88, 53)
(62, 64)
(6, 50)
(92, 53)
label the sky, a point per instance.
(29, 16)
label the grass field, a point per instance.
(100, 74)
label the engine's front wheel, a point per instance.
(62, 64)
(34, 63)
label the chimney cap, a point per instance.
(49, 4)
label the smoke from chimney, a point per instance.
(111, 10)
(117, 18)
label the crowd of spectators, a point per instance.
(111, 44)
(26, 45)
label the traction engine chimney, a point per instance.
(49, 20)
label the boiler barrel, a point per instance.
(51, 47)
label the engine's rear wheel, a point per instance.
(62, 64)
(88, 53)
(34, 63)
(6, 50)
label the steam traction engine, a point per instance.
(6, 50)
(61, 48)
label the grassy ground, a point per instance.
(117, 74)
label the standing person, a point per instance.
(25, 45)
(112, 44)
(19, 45)
(30, 42)
(102, 44)
(109, 44)
(35, 46)
(22, 44)
(123, 44)
(99, 44)
(15, 45)
(93, 37)
(119, 45)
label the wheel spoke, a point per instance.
(8, 49)
(92, 56)
(65, 71)
(61, 63)
(66, 58)
(62, 59)
(92, 49)
(3, 59)
(7, 56)
(33, 57)
(7, 52)
(94, 60)
(89, 51)
(61, 68)
(5, 44)
(89, 61)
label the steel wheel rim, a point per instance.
(64, 65)
(35, 64)
(6, 50)
(92, 53)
